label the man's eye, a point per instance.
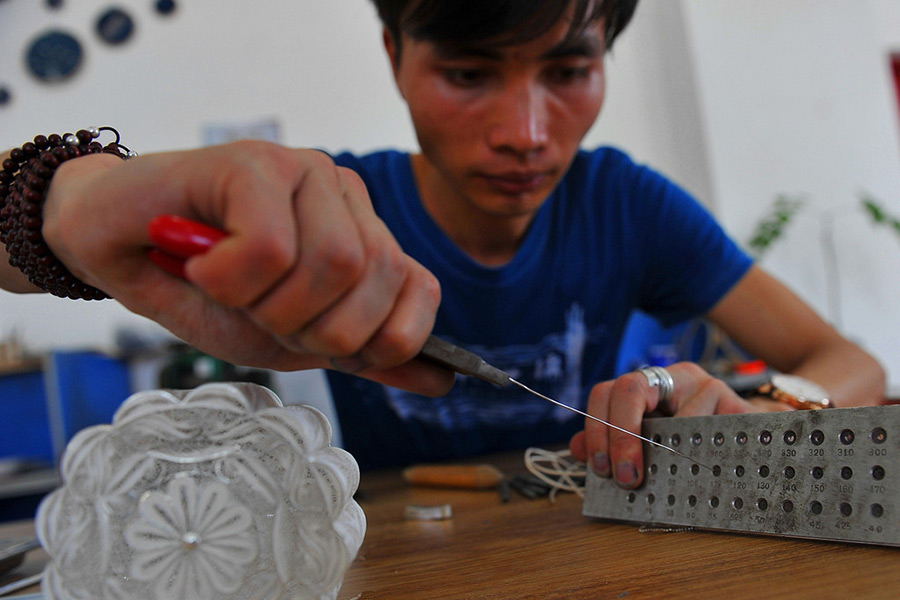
(465, 77)
(568, 74)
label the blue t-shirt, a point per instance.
(613, 237)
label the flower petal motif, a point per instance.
(191, 539)
(218, 493)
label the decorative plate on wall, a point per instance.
(115, 26)
(54, 56)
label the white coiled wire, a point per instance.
(557, 469)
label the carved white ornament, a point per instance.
(217, 493)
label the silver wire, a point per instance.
(607, 423)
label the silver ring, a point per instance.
(660, 378)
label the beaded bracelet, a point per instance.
(24, 180)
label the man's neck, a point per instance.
(489, 239)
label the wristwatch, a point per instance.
(797, 391)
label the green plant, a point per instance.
(772, 226)
(878, 214)
(720, 353)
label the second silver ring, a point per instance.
(660, 378)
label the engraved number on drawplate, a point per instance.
(829, 474)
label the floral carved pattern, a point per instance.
(192, 541)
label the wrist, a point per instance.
(25, 178)
(74, 182)
(12, 279)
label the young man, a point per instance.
(515, 244)
(543, 250)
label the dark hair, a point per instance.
(504, 22)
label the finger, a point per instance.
(417, 375)
(390, 312)
(713, 397)
(578, 447)
(345, 327)
(687, 379)
(597, 434)
(292, 236)
(352, 296)
(335, 249)
(694, 391)
(409, 324)
(631, 398)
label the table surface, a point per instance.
(538, 549)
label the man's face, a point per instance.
(499, 127)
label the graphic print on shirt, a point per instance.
(551, 366)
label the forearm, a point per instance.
(851, 376)
(770, 322)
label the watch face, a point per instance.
(799, 387)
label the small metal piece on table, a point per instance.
(439, 512)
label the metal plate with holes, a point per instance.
(829, 474)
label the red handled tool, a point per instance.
(177, 239)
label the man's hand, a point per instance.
(308, 276)
(625, 401)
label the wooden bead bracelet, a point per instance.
(24, 181)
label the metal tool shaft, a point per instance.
(468, 363)
(462, 361)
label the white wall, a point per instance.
(797, 98)
(651, 107)
(737, 100)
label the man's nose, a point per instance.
(520, 120)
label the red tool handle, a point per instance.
(177, 239)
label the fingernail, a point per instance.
(600, 464)
(626, 474)
(350, 364)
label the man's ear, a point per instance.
(392, 48)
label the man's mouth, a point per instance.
(518, 182)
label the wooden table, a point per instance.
(538, 549)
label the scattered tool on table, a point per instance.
(440, 512)
(473, 477)
(478, 477)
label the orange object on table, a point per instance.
(482, 476)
